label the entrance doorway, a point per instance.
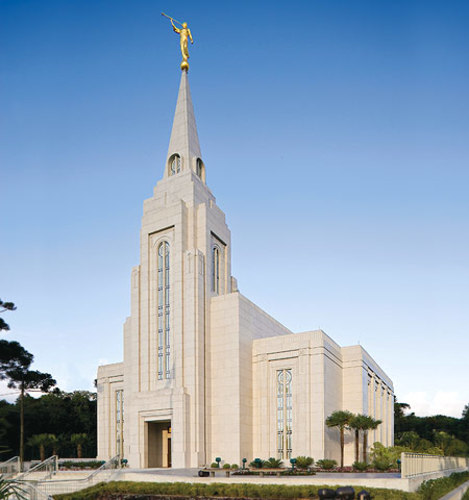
(158, 438)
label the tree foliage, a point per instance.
(5, 306)
(438, 434)
(41, 442)
(57, 412)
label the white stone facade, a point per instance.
(202, 364)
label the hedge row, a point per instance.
(118, 488)
(436, 488)
(90, 464)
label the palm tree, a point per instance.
(41, 441)
(369, 424)
(10, 488)
(340, 419)
(79, 440)
(54, 443)
(358, 423)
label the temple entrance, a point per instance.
(158, 440)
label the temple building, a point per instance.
(207, 373)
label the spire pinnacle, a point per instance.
(184, 139)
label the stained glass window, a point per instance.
(120, 423)
(284, 414)
(216, 270)
(163, 312)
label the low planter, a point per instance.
(274, 472)
(343, 470)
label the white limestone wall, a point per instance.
(313, 359)
(254, 323)
(333, 392)
(326, 378)
(355, 388)
(235, 322)
(369, 391)
(109, 380)
(223, 380)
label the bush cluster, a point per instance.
(276, 463)
(360, 466)
(304, 462)
(326, 463)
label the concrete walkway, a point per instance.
(221, 473)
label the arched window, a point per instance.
(163, 300)
(174, 164)
(216, 270)
(199, 168)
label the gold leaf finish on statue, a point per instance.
(185, 35)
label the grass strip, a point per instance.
(429, 490)
(117, 489)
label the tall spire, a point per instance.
(184, 139)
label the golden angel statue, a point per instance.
(185, 34)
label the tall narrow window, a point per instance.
(216, 270)
(120, 423)
(284, 414)
(163, 311)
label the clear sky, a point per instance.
(336, 139)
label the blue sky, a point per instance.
(335, 137)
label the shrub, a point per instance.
(273, 463)
(214, 465)
(379, 452)
(326, 463)
(304, 462)
(382, 464)
(360, 466)
(226, 466)
(234, 466)
(257, 463)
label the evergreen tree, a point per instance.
(5, 306)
